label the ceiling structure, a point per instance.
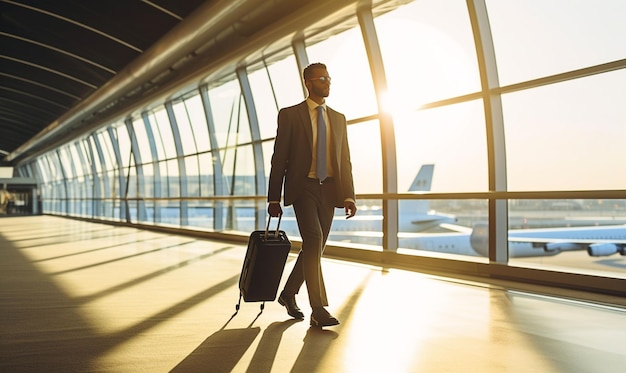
(55, 54)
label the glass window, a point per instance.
(287, 82)
(436, 58)
(581, 235)
(184, 128)
(131, 181)
(193, 176)
(173, 178)
(205, 161)
(161, 125)
(80, 168)
(537, 38)
(197, 117)
(567, 136)
(352, 89)
(110, 161)
(264, 102)
(43, 171)
(229, 114)
(96, 156)
(158, 142)
(143, 142)
(421, 230)
(66, 162)
(366, 157)
(123, 141)
(450, 138)
(239, 171)
(162, 182)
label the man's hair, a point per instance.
(308, 71)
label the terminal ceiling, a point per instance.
(66, 65)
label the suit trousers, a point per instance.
(314, 211)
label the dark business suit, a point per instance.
(313, 203)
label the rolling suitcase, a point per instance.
(263, 265)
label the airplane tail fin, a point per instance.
(421, 183)
(424, 179)
(415, 215)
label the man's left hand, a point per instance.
(350, 208)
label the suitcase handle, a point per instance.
(267, 228)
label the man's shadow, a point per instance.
(221, 351)
(267, 349)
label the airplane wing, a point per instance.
(594, 247)
(597, 240)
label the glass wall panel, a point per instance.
(170, 212)
(143, 142)
(450, 138)
(162, 184)
(239, 171)
(574, 235)
(130, 190)
(147, 181)
(567, 136)
(80, 168)
(53, 162)
(44, 171)
(193, 176)
(268, 151)
(107, 150)
(161, 125)
(98, 162)
(184, 128)
(173, 178)
(366, 157)
(436, 58)
(158, 142)
(206, 174)
(364, 229)
(200, 214)
(231, 121)
(66, 162)
(287, 82)
(264, 101)
(536, 38)
(352, 89)
(429, 227)
(197, 118)
(114, 182)
(123, 141)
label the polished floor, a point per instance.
(85, 297)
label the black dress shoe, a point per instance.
(289, 301)
(320, 317)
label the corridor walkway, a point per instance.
(85, 297)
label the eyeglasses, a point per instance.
(323, 79)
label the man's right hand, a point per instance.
(274, 209)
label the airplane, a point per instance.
(598, 241)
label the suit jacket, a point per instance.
(293, 152)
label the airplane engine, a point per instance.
(603, 249)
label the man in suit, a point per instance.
(316, 180)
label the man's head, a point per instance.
(317, 81)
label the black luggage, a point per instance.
(263, 265)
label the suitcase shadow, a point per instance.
(220, 352)
(223, 350)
